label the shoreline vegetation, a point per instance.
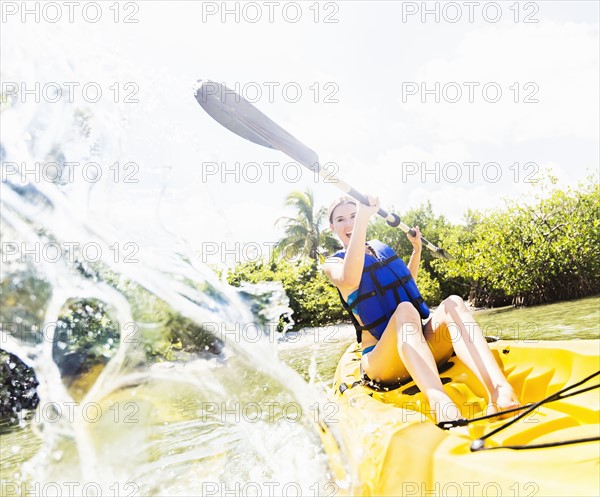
(540, 250)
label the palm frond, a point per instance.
(303, 234)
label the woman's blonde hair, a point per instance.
(336, 203)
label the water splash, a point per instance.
(182, 402)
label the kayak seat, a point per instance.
(387, 387)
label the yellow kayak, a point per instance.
(396, 449)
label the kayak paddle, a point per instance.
(234, 112)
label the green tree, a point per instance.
(313, 299)
(304, 234)
(540, 249)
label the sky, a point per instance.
(457, 103)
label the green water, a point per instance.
(560, 321)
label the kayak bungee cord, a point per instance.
(479, 444)
(446, 425)
(535, 446)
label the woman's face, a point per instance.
(343, 222)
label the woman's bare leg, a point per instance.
(472, 349)
(402, 351)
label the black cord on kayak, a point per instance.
(476, 448)
(479, 444)
(446, 425)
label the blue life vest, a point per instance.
(386, 281)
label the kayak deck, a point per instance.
(397, 449)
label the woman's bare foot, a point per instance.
(503, 398)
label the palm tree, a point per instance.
(304, 235)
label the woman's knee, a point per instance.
(406, 311)
(408, 321)
(454, 302)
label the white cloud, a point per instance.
(554, 63)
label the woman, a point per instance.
(396, 343)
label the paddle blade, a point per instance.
(238, 115)
(218, 101)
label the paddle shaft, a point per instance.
(391, 218)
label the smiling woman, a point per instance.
(379, 292)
